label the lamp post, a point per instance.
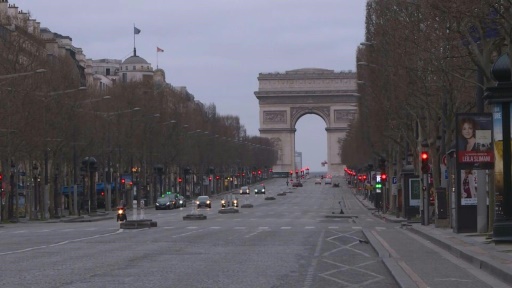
(89, 165)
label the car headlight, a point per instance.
(263, 190)
(222, 201)
(120, 211)
(208, 202)
(197, 202)
(181, 201)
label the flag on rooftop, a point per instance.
(136, 30)
(159, 50)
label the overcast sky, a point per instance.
(217, 48)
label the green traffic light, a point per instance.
(378, 185)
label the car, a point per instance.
(245, 190)
(328, 181)
(259, 189)
(166, 202)
(297, 184)
(318, 181)
(204, 201)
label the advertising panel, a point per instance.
(474, 140)
(414, 192)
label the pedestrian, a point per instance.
(287, 182)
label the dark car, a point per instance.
(297, 184)
(165, 202)
(259, 189)
(203, 201)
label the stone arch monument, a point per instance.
(285, 97)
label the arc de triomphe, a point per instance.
(285, 97)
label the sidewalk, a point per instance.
(476, 249)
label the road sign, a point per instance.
(394, 180)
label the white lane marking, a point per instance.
(191, 227)
(21, 231)
(188, 233)
(239, 228)
(286, 228)
(60, 243)
(215, 227)
(309, 227)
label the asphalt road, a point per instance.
(292, 241)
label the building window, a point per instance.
(107, 72)
(125, 79)
(134, 68)
(126, 68)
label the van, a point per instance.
(328, 181)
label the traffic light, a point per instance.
(123, 182)
(291, 172)
(179, 180)
(1, 181)
(217, 177)
(383, 177)
(210, 178)
(425, 167)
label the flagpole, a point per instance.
(134, 53)
(156, 58)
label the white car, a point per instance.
(245, 190)
(318, 181)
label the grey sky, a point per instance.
(216, 48)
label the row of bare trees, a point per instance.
(48, 125)
(422, 62)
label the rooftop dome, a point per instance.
(135, 60)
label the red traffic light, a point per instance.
(383, 177)
(424, 156)
(217, 177)
(122, 181)
(179, 180)
(1, 177)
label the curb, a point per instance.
(401, 278)
(481, 262)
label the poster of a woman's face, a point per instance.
(468, 187)
(474, 140)
(467, 130)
